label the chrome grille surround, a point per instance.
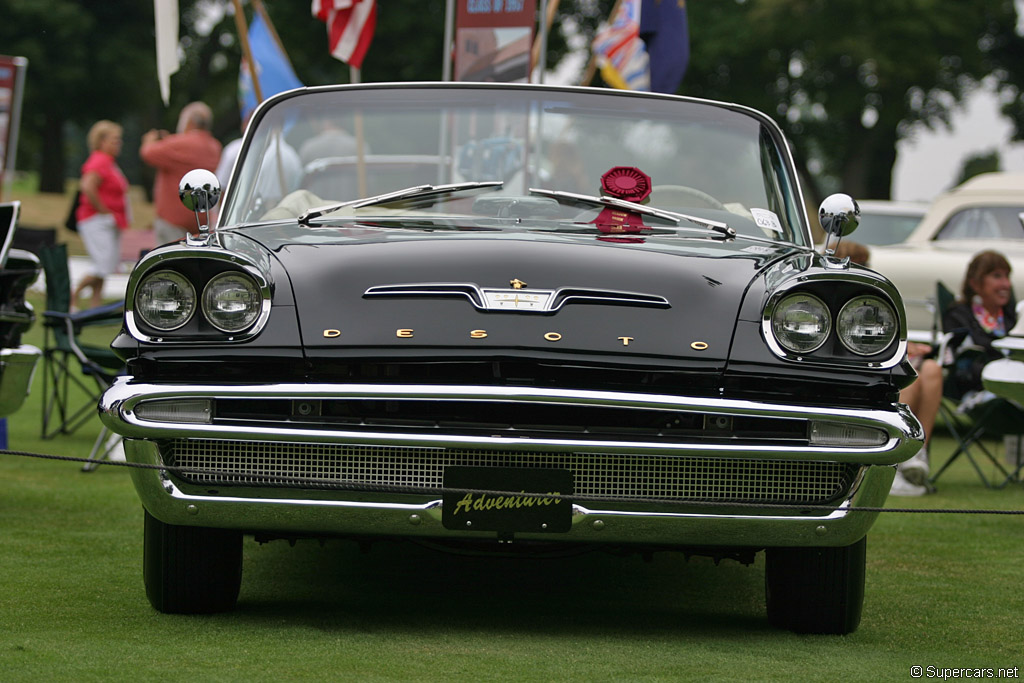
(636, 477)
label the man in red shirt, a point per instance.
(174, 155)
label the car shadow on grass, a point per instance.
(404, 586)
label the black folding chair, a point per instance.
(72, 367)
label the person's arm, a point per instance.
(89, 187)
(152, 149)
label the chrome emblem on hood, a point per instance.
(519, 300)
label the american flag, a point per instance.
(620, 52)
(350, 25)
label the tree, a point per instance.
(86, 62)
(847, 79)
(976, 164)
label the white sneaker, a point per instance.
(915, 470)
(116, 453)
(902, 487)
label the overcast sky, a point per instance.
(930, 163)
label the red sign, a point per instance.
(496, 13)
(12, 76)
(493, 40)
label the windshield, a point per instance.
(329, 146)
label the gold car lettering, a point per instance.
(409, 333)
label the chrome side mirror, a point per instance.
(199, 191)
(839, 216)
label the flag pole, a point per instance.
(588, 75)
(354, 76)
(538, 54)
(243, 38)
(449, 30)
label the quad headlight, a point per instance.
(866, 325)
(165, 300)
(232, 302)
(827, 326)
(801, 323)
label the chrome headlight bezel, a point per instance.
(836, 290)
(175, 279)
(199, 267)
(843, 322)
(207, 300)
(790, 302)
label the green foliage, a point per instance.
(976, 164)
(87, 61)
(847, 79)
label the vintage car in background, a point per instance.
(887, 222)
(986, 212)
(18, 270)
(502, 317)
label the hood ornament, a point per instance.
(516, 283)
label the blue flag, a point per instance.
(663, 27)
(275, 73)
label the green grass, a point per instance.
(943, 590)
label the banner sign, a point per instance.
(493, 40)
(12, 80)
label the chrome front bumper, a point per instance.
(312, 511)
(17, 366)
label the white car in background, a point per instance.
(887, 222)
(986, 212)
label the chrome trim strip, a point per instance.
(118, 402)
(481, 297)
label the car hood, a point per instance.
(387, 291)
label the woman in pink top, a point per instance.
(103, 208)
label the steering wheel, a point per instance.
(665, 196)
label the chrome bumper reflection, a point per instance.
(312, 513)
(118, 404)
(17, 366)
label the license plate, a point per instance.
(506, 513)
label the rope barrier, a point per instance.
(386, 488)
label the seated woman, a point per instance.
(984, 312)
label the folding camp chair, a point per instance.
(63, 409)
(996, 417)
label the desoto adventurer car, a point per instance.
(509, 316)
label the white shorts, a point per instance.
(102, 239)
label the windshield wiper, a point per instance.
(415, 192)
(615, 203)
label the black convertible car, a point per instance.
(512, 317)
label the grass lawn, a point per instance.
(943, 590)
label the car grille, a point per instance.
(597, 476)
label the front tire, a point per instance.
(815, 590)
(191, 570)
